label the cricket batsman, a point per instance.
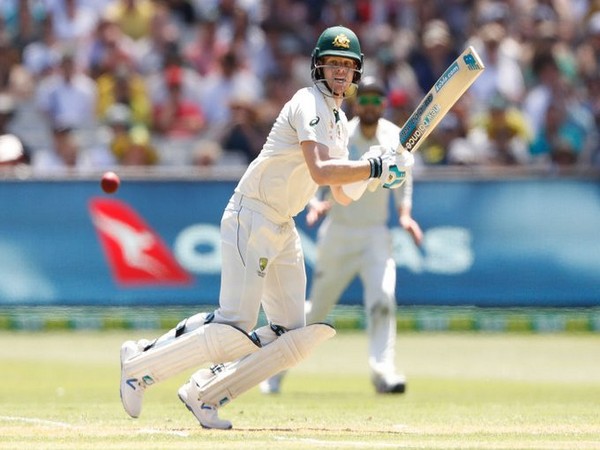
(355, 240)
(262, 260)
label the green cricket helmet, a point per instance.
(337, 41)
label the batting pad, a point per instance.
(212, 343)
(283, 353)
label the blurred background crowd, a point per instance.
(95, 84)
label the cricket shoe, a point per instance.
(207, 415)
(132, 389)
(272, 385)
(389, 383)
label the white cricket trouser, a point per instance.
(346, 252)
(262, 262)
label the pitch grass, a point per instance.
(465, 391)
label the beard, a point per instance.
(369, 118)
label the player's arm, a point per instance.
(317, 208)
(325, 170)
(410, 224)
(403, 199)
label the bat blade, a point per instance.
(446, 91)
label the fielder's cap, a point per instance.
(370, 84)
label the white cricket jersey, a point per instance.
(278, 183)
(373, 207)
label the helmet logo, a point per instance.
(341, 40)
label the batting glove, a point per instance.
(392, 169)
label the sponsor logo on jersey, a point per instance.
(315, 121)
(135, 253)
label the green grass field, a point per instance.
(465, 391)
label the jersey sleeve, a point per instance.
(305, 119)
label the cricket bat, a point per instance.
(446, 91)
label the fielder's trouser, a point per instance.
(344, 253)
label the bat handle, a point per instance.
(400, 149)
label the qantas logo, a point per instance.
(135, 253)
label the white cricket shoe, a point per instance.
(132, 389)
(389, 383)
(272, 385)
(207, 415)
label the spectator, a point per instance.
(138, 150)
(162, 42)
(109, 49)
(129, 143)
(177, 117)
(207, 154)
(502, 73)
(65, 155)
(436, 54)
(437, 148)
(203, 52)
(22, 21)
(73, 23)
(249, 42)
(588, 51)
(42, 55)
(68, 97)
(124, 86)
(592, 155)
(549, 84)
(560, 140)
(134, 17)
(219, 89)
(246, 134)
(501, 135)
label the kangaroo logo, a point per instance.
(135, 253)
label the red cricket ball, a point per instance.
(110, 182)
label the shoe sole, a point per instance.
(397, 389)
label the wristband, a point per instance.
(376, 167)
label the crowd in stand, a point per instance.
(93, 84)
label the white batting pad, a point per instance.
(283, 353)
(212, 343)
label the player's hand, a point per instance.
(377, 150)
(316, 210)
(395, 168)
